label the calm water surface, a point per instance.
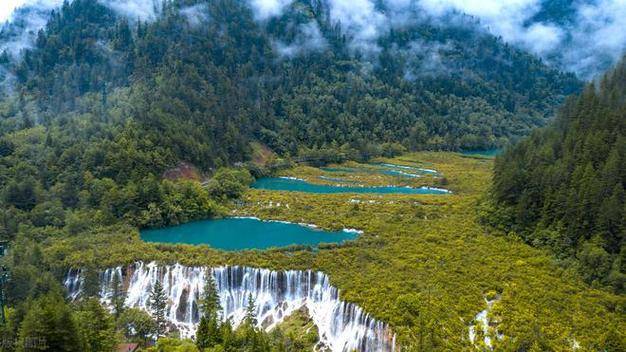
(245, 233)
(296, 185)
(491, 153)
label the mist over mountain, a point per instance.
(307, 73)
(584, 37)
(369, 121)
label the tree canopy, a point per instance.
(564, 186)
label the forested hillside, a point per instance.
(102, 105)
(111, 123)
(563, 187)
(299, 79)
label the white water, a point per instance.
(484, 323)
(342, 326)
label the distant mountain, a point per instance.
(302, 78)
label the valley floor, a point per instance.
(423, 264)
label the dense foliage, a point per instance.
(563, 187)
(203, 90)
(40, 319)
(424, 264)
(102, 107)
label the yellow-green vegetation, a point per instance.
(423, 264)
(353, 173)
(297, 332)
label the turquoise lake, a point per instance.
(296, 185)
(491, 153)
(404, 170)
(233, 234)
(386, 169)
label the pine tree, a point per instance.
(117, 296)
(569, 180)
(208, 334)
(96, 326)
(250, 318)
(91, 283)
(49, 326)
(157, 305)
(210, 300)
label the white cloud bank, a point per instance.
(592, 39)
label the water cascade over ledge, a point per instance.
(342, 326)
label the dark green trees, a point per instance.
(158, 304)
(49, 325)
(96, 326)
(250, 318)
(137, 325)
(563, 187)
(215, 335)
(209, 334)
(117, 295)
(106, 108)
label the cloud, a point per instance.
(309, 39)
(587, 44)
(504, 18)
(7, 8)
(196, 14)
(27, 17)
(20, 30)
(425, 59)
(361, 21)
(145, 10)
(265, 9)
(598, 37)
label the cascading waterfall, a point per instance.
(342, 326)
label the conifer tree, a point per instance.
(250, 317)
(117, 296)
(208, 334)
(568, 180)
(158, 305)
(91, 283)
(210, 300)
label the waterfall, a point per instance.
(342, 326)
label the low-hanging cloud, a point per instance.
(587, 43)
(20, 29)
(425, 59)
(591, 39)
(144, 10)
(308, 39)
(265, 9)
(361, 20)
(598, 37)
(196, 15)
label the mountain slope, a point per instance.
(563, 187)
(104, 105)
(300, 78)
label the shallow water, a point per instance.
(491, 153)
(245, 233)
(297, 185)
